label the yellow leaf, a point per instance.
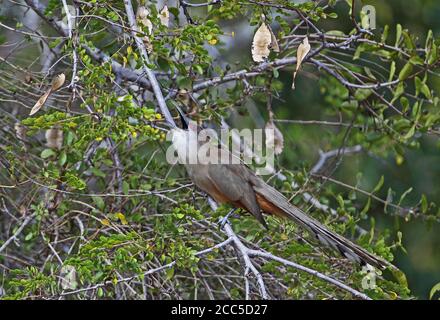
(393, 295)
(105, 222)
(399, 159)
(121, 218)
(301, 53)
(213, 41)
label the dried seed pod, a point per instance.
(260, 44)
(54, 138)
(142, 18)
(277, 135)
(164, 16)
(301, 53)
(57, 83)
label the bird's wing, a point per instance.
(232, 182)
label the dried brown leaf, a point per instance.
(20, 131)
(142, 18)
(301, 53)
(273, 41)
(54, 138)
(40, 103)
(58, 82)
(261, 42)
(277, 135)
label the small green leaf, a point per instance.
(46, 153)
(424, 203)
(385, 32)
(398, 34)
(406, 71)
(410, 133)
(125, 187)
(379, 184)
(63, 158)
(392, 71)
(169, 273)
(434, 290)
(99, 202)
(97, 172)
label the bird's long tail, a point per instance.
(272, 201)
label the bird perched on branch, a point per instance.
(239, 186)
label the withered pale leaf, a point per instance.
(20, 131)
(277, 135)
(273, 41)
(40, 102)
(58, 82)
(142, 18)
(301, 53)
(261, 42)
(54, 138)
(164, 16)
(147, 43)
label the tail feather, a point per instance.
(327, 237)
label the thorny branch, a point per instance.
(326, 47)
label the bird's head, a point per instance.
(184, 138)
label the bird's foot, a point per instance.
(224, 219)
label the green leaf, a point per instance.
(398, 34)
(406, 71)
(379, 184)
(97, 172)
(422, 87)
(362, 94)
(433, 54)
(63, 158)
(28, 236)
(407, 192)
(392, 71)
(385, 32)
(336, 33)
(434, 290)
(399, 91)
(410, 133)
(424, 203)
(46, 153)
(169, 273)
(125, 187)
(99, 202)
(366, 207)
